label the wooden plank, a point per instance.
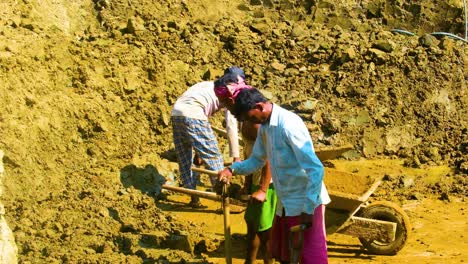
(371, 190)
(369, 229)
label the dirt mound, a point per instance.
(348, 183)
(87, 89)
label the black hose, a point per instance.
(405, 32)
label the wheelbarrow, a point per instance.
(382, 227)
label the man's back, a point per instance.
(199, 102)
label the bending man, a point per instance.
(192, 132)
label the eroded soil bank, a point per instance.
(87, 86)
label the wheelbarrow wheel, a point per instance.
(387, 211)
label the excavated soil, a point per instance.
(87, 87)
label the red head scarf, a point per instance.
(229, 86)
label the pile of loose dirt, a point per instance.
(87, 88)
(348, 183)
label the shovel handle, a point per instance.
(245, 197)
(299, 228)
(209, 172)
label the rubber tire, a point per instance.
(387, 211)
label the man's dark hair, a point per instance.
(226, 79)
(230, 76)
(246, 101)
(234, 70)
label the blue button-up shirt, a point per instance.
(297, 172)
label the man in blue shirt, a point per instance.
(297, 174)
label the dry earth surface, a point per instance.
(87, 87)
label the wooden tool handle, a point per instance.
(209, 172)
(207, 195)
(298, 228)
(245, 197)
